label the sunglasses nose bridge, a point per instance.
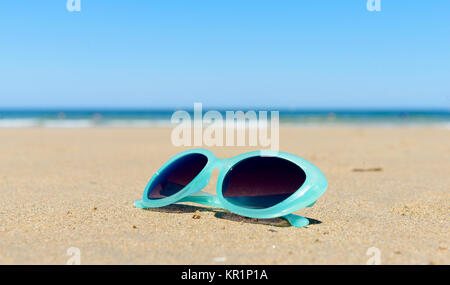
(218, 163)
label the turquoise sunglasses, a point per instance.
(258, 184)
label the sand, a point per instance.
(63, 188)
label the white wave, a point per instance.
(136, 123)
(82, 123)
(18, 123)
(161, 123)
(67, 124)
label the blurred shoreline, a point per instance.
(161, 118)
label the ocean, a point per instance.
(161, 118)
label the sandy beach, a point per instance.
(63, 188)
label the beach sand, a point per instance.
(63, 188)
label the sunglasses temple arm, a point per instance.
(296, 221)
(203, 198)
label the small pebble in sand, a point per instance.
(95, 208)
(220, 259)
(196, 217)
(134, 227)
(272, 230)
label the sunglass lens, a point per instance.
(177, 175)
(261, 182)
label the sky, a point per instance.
(298, 54)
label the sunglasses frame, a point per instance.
(313, 187)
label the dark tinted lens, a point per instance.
(261, 182)
(177, 175)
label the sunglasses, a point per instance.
(258, 184)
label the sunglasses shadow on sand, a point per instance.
(225, 215)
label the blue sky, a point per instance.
(225, 53)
